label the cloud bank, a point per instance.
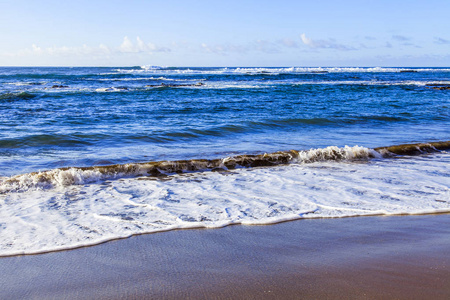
(127, 46)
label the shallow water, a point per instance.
(58, 126)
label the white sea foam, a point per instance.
(111, 89)
(76, 176)
(139, 79)
(272, 83)
(205, 84)
(275, 71)
(64, 217)
(21, 83)
(372, 82)
(148, 67)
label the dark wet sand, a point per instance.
(402, 257)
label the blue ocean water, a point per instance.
(53, 118)
(58, 117)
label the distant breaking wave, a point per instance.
(317, 70)
(158, 83)
(82, 175)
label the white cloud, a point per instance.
(308, 41)
(36, 49)
(127, 46)
(323, 44)
(140, 46)
(63, 51)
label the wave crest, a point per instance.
(16, 96)
(83, 175)
(413, 149)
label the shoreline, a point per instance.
(69, 248)
(364, 257)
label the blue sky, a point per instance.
(225, 33)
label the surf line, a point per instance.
(159, 169)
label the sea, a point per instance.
(92, 154)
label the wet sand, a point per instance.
(403, 257)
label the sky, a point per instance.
(246, 33)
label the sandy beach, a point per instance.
(241, 150)
(402, 257)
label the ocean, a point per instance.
(93, 154)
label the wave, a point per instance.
(148, 67)
(160, 78)
(40, 140)
(67, 217)
(16, 96)
(275, 71)
(162, 83)
(149, 86)
(78, 139)
(83, 175)
(425, 83)
(413, 149)
(21, 83)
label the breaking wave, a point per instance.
(83, 175)
(269, 71)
